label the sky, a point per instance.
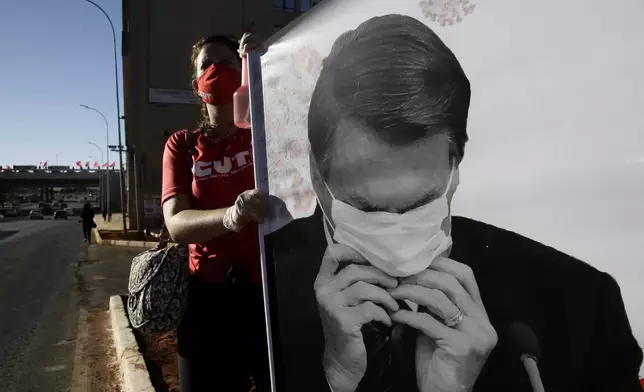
(57, 55)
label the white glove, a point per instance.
(248, 207)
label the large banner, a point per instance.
(400, 137)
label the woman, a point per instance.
(87, 220)
(222, 338)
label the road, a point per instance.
(38, 304)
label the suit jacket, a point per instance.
(576, 311)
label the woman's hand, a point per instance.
(247, 43)
(250, 206)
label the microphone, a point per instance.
(527, 345)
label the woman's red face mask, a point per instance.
(217, 84)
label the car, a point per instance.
(61, 214)
(1, 218)
(10, 213)
(47, 211)
(36, 214)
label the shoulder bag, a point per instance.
(158, 283)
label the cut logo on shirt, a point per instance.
(204, 170)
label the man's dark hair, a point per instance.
(396, 78)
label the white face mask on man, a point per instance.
(400, 245)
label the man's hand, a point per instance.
(250, 206)
(447, 359)
(347, 300)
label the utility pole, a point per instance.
(118, 115)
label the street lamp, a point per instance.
(118, 113)
(91, 157)
(103, 206)
(107, 143)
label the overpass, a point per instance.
(32, 177)
(40, 178)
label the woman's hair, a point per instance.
(229, 42)
(87, 207)
(395, 77)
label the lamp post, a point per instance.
(107, 143)
(95, 160)
(101, 181)
(118, 114)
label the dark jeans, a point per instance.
(87, 232)
(222, 339)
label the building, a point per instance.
(157, 40)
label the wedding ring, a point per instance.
(456, 320)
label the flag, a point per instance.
(87, 164)
(79, 164)
(44, 164)
(113, 165)
(105, 164)
(6, 167)
(95, 164)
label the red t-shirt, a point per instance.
(221, 171)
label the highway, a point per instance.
(38, 303)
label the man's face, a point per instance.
(372, 176)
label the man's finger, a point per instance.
(334, 254)
(362, 292)
(369, 312)
(450, 286)
(434, 300)
(359, 272)
(461, 272)
(423, 322)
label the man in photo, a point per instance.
(382, 289)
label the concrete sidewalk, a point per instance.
(111, 233)
(115, 224)
(102, 272)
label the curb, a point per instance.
(132, 244)
(134, 373)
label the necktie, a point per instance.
(390, 357)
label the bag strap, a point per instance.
(164, 236)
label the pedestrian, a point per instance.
(105, 214)
(87, 220)
(109, 215)
(222, 337)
